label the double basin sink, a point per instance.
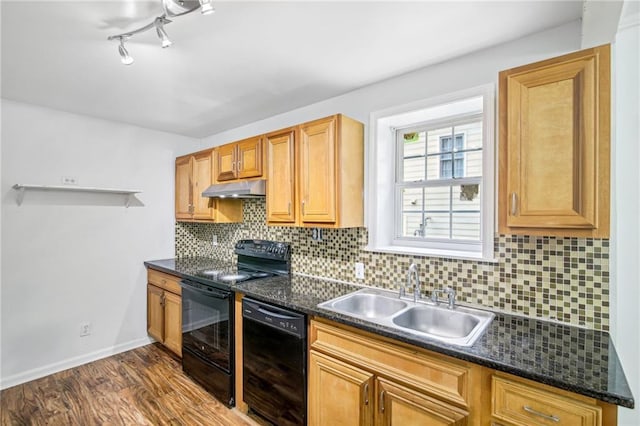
(460, 326)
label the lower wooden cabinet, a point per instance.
(520, 402)
(339, 393)
(400, 405)
(356, 379)
(164, 310)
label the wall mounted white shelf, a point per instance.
(21, 188)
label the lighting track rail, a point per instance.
(172, 8)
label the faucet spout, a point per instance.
(414, 281)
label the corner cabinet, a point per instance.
(239, 160)
(193, 175)
(373, 381)
(555, 146)
(320, 171)
(164, 310)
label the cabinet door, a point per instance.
(398, 405)
(202, 167)
(555, 144)
(173, 322)
(250, 158)
(155, 313)
(226, 162)
(280, 178)
(339, 394)
(318, 171)
(184, 199)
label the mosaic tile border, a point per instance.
(562, 279)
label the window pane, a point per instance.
(413, 156)
(439, 140)
(413, 169)
(472, 133)
(437, 202)
(466, 212)
(411, 212)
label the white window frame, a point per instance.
(380, 212)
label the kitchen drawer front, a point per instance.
(168, 282)
(521, 404)
(432, 373)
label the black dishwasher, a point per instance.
(274, 356)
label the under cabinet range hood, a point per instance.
(241, 189)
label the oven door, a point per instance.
(207, 338)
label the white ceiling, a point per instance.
(248, 61)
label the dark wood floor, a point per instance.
(144, 386)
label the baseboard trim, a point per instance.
(37, 373)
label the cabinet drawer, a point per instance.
(432, 373)
(168, 282)
(524, 405)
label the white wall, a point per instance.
(625, 247)
(70, 258)
(472, 70)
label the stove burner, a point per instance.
(233, 277)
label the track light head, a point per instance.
(124, 54)
(206, 8)
(162, 35)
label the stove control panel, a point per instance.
(263, 249)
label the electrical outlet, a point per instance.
(214, 240)
(316, 234)
(359, 270)
(85, 329)
(69, 180)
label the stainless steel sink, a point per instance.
(460, 326)
(369, 305)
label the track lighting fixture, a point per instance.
(125, 58)
(172, 8)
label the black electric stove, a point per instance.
(255, 259)
(208, 312)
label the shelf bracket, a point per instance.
(20, 196)
(127, 200)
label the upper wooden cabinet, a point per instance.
(325, 161)
(555, 146)
(194, 175)
(239, 160)
(281, 199)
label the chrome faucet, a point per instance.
(412, 273)
(451, 297)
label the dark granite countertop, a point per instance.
(571, 358)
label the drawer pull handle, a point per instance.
(366, 394)
(539, 414)
(289, 209)
(382, 401)
(303, 207)
(514, 203)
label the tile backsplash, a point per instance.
(563, 279)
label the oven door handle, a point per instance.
(211, 293)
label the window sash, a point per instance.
(454, 161)
(450, 183)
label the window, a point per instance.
(437, 197)
(446, 169)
